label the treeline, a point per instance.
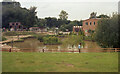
(107, 32)
(13, 12)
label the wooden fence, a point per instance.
(72, 50)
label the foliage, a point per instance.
(73, 40)
(53, 22)
(103, 16)
(13, 12)
(70, 25)
(40, 38)
(93, 15)
(51, 40)
(107, 32)
(3, 38)
(63, 15)
(92, 35)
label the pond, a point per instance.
(34, 45)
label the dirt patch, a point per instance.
(66, 64)
(70, 65)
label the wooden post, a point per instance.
(73, 50)
(18, 37)
(43, 50)
(115, 50)
(10, 50)
(79, 50)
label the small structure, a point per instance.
(34, 29)
(77, 28)
(38, 29)
(65, 33)
(15, 26)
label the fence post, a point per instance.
(79, 50)
(115, 49)
(10, 50)
(73, 50)
(43, 50)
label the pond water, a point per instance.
(34, 45)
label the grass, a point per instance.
(59, 62)
(15, 33)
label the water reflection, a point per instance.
(33, 45)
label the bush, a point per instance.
(51, 40)
(107, 32)
(73, 40)
(40, 38)
(3, 38)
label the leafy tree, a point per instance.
(13, 12)
(93, 15)
(41, 23)
(70, 25)
(63, 15)
(103, 16)
(51, 22)
(107, 32)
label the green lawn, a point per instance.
(59, 62)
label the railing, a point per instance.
(72, 50)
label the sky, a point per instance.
(77, 9)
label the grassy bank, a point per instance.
(59, 62)
(15, 33)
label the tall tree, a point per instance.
(107, 32)
(93, 15)
(63, 15)
(13, 12)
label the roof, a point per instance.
(92, 18)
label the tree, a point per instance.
(103, 16)
(93, 15)
(63, 15)
(13, 12)
(41, 23)
(51, 21)
(107, 32)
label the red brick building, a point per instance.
(15, 26)
(89, 24)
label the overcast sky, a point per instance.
(77, 9)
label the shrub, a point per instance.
(3, 38)
(40, 38)
(51, 40)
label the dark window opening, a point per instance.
(90, 23)
(94, 23)
(16, 23)
(76, 29)
(86, 23)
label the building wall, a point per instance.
(14, 26)
(76, 27)
(89, 26)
